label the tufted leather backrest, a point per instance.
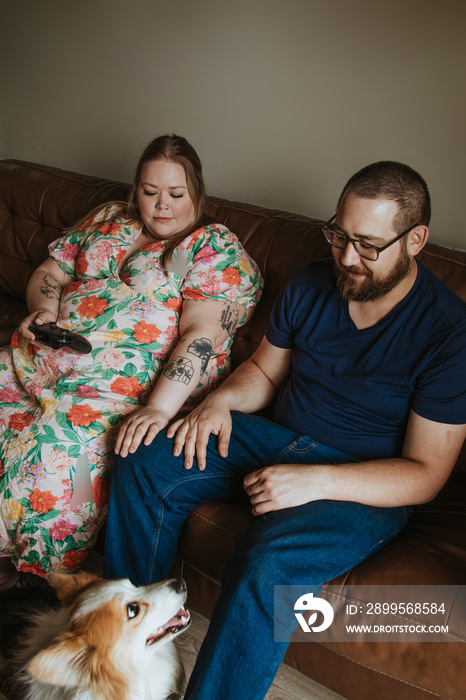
(37, 202)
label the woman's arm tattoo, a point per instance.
(50, 287)
(229, 318)
(180, 369)
(203, 348)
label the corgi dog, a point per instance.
(109, 640)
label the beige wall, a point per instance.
(283, 99)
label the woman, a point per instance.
(158, 291)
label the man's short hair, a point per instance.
(397, 182)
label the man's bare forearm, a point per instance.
(248, 389)
(384, 483)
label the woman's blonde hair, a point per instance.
(172, 148)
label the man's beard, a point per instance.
(371, 288)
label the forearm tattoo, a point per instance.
(50, 287)
(180, 369)
(229, 318)
(203, 348)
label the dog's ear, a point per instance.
(62, 663)
(68, 586)
(70, 662)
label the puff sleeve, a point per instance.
(221, 269)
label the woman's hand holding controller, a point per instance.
(39, 317)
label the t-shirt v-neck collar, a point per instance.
(387, 318)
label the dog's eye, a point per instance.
(132, 610)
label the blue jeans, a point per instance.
(310, 544)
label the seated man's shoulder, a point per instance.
(441, 298)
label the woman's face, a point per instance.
(164, 201)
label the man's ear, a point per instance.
(417, 238)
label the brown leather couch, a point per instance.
(36, 203)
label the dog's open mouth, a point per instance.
(175, 625)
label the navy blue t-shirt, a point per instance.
(354, 389)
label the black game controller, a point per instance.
(56, 337)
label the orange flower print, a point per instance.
(101, 488)
(34, 568)
(81, 264)
(105, 228)
(194, 294)
(194, 237)
(72, 287)
(156, 245)
(42, 501)
(146, 333)
(18, 421)
(15, 340)
(83, 414)
(73, 559)
(92, 306)
(120, 254)
(173, 303)
(221, 359)
(85, 224)
(231, 276)
(129, 386)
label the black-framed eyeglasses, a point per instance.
(338, 239)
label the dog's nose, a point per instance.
(179, 585)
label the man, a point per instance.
(365, 357)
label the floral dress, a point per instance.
(60, 410)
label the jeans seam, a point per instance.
(159, 523)
(292, 446)
(155, 540)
